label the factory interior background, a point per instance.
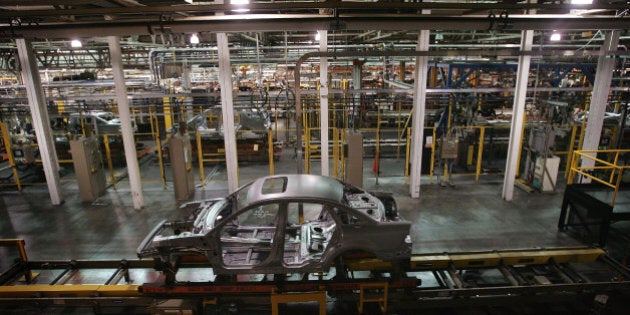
(499, 128)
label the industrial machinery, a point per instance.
(181, 155)
(88, 168)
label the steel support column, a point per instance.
(40, 120)
(518, 116)
(323, 102)
(599, 98)
(227, 110)
(129, 142)
(419, 106)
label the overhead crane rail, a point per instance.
(430, 280)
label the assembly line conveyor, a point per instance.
(431, 280)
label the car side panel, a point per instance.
(385, 240)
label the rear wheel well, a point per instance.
(391, 209)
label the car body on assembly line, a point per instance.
(100, 122)
(281, 224)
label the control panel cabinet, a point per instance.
(180, 152)
(354, 162)
(88, 168)
(546, 173)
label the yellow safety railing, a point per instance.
(114, 177)
(313, 150)
(7, 144)
(606, 172)
(21, 247)
(218, 154)
(373, 292)
(155, 131)
(282, 298)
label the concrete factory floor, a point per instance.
(468, 217)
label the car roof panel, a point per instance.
(299, 186)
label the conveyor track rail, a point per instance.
(437, 279)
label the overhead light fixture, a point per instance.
(318, 36)
(75, 43)
(581, 11)
(240, 3)
(189, 1)
(555, 37)
(194, 39)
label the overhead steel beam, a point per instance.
(301, 6)
(27, 3)
(309, 22)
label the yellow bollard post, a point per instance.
(7, 145)
(168, 119)
(482, 133)
(432, 166)
(270, 149)
(335, 152)
(520, 146)
(342, 173)
(407, 154)
(202, 176)
(108, 157)
(570, 150)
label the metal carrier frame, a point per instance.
(429, 281)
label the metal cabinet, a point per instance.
(88, 168)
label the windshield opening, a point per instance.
(239, 197)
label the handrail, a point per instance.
(586, 171)
(20, 244)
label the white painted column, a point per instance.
(518, 115)
(227, 109)
(40, 120)
(323, 102)
(419, 107)
(599, 97)
(129, 142)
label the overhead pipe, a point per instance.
(308, 22)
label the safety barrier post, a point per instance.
(108, 157)
(7, 145)
(202, 176)
(432, 167)
(335, 152)
(277, 298)
(20, 244)
(370, 292)
(407, 153)
(570, 151)
(270, 149)
(482, 133)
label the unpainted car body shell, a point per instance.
(345, 219)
